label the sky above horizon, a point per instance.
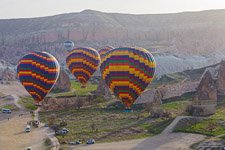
(39, 8)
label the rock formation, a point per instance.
(7, 73)
(150, 96)
(205, 99)
(103, 90)
(178, 89)
(63, 83)
(207, 89)
(220, 83)
(60, 103)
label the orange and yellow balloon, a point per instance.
(127, 72)
(82, 63)
(38, 72)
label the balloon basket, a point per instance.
(83, 86)
(128, 110)
(38, 104)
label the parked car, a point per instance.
(6, 111)
(27, 129)
(75, 143)
(63, 131)
(91, 141)
(29, 148)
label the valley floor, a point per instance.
(13, 137)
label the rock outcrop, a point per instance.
(207, 89)
(103, 90)
(167, 92)
(178, 89)
(63, 83)
(220, 83)
(205, 100)
(7, 73)
(150, 96)
(60, 103)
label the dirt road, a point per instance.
(173, 141)
(12, 136)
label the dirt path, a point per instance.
(49, 133)
(12, 136)
(170, 128)
(16, 99)
(173, 141)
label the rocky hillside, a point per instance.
(7, 71)
(199, 33)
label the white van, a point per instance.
(6, 111)
(28, 128)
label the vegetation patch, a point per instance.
(28, 103)
(110, 124)
(212, 126)
(176, 108)
(77, 90)
(10, 106)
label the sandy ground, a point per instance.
(14, 88)
(12, 136)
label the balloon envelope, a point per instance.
(102, 52)
(82, 63)
(68, 45)
(38, 72)
(127, 72)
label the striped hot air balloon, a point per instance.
(82, 63)
(127, 72)
(104, 50)
(38, 72)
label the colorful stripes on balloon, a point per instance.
(127, 72)
(38, 72)
(82, 63)
(102, 52)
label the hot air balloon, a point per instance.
(38, 72)
(68, 45)
(82, 63)
(127, 72)
(104, 50)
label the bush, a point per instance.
(79, 103)
(47, 142)
(52, 119)
(194, 110)
(158, 112)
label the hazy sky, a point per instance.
(36, 8)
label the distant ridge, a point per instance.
(197, 33)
